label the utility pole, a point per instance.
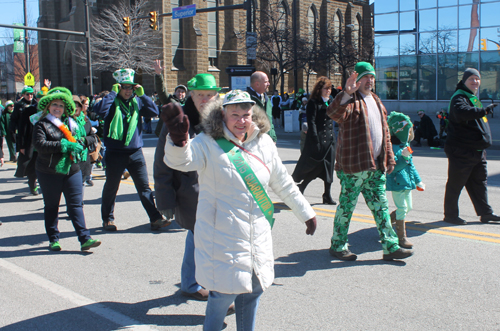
(89, 54)
(26, 41)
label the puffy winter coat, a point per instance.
(232, 236)
(404, 176)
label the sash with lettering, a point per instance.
(233, 152)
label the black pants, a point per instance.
(466, 168)
(116, 163)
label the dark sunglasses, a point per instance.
(127, 87)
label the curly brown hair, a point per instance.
(320, 83)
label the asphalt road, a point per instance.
(132, 280)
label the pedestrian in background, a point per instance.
(425, 130)
(5, 130)
(364, 155)
(236, 160)
(259, 83)
(122, 110)
(468, 138)
(58, 140)
(318, 156)
(404, 178)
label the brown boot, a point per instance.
(393, 218)
(401, 231)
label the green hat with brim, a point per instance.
(363, 69)
(237, 96)
(203, 82)
(58, 93)
(27, 89)
(124, 76)
(8, 103)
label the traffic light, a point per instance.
(154, 20)
(483, 45)
(126, 25)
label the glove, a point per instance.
(116, 88)
(168, 213)
(139, 90)
(489, 109)
(405, 152)
(311, 226)
(177, 123)
(68, 146)
(421, 187)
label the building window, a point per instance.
(212, 18)
(311, 20)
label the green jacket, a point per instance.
(268, 107)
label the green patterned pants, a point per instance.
(372, 185)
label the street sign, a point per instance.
(29, 79)
(184, 11)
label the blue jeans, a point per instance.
(116, 163)
(188, 280)
(246, 305)
(71, 186)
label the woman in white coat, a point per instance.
(236, 163)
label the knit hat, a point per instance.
(27, 89)
(470, 72)
(182, 87)
(364, 68)
(203, 82)
(58, 93)
(237, 96)
(399, 126)
(8, 103)
(124, 76)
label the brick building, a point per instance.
(207, 42)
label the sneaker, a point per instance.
(89, 183)
(109, 225)
(160, 223)
(55, 246)
(400, 254)
(98, 165)
(89, 244)
(345, 255)
(34, 191)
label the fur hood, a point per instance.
(212, 120)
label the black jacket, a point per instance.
(175, 189)
(47, 141)
(468, 126)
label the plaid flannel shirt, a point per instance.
(354, 146)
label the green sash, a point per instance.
(258, 192)
(474, 99)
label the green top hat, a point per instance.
(203, 82)
(124, 76)
(58, 93)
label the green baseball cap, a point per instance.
(27, 89)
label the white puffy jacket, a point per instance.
(232, 236)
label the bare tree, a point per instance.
(113, 49)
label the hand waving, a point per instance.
(158, 67)
(177, 123)
(350, 85)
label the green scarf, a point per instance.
(132, 117)
(80, 133)
(473, 99)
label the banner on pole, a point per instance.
(18, 39)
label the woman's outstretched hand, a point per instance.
(177, 123)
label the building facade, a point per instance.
(208, 42)
(422, 48)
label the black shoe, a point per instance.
(327, 200)
(490, 218)
(398, 255)
(455, 220)
(231, 310)
(34, 191)
(89, 183)
(346, 255)
(109, 225)
(160, 223)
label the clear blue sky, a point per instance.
(12, 12)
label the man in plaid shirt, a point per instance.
(364, 154)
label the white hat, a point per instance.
(237, 96)
(124, 76)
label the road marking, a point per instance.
(125, 322)
(422, 227)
